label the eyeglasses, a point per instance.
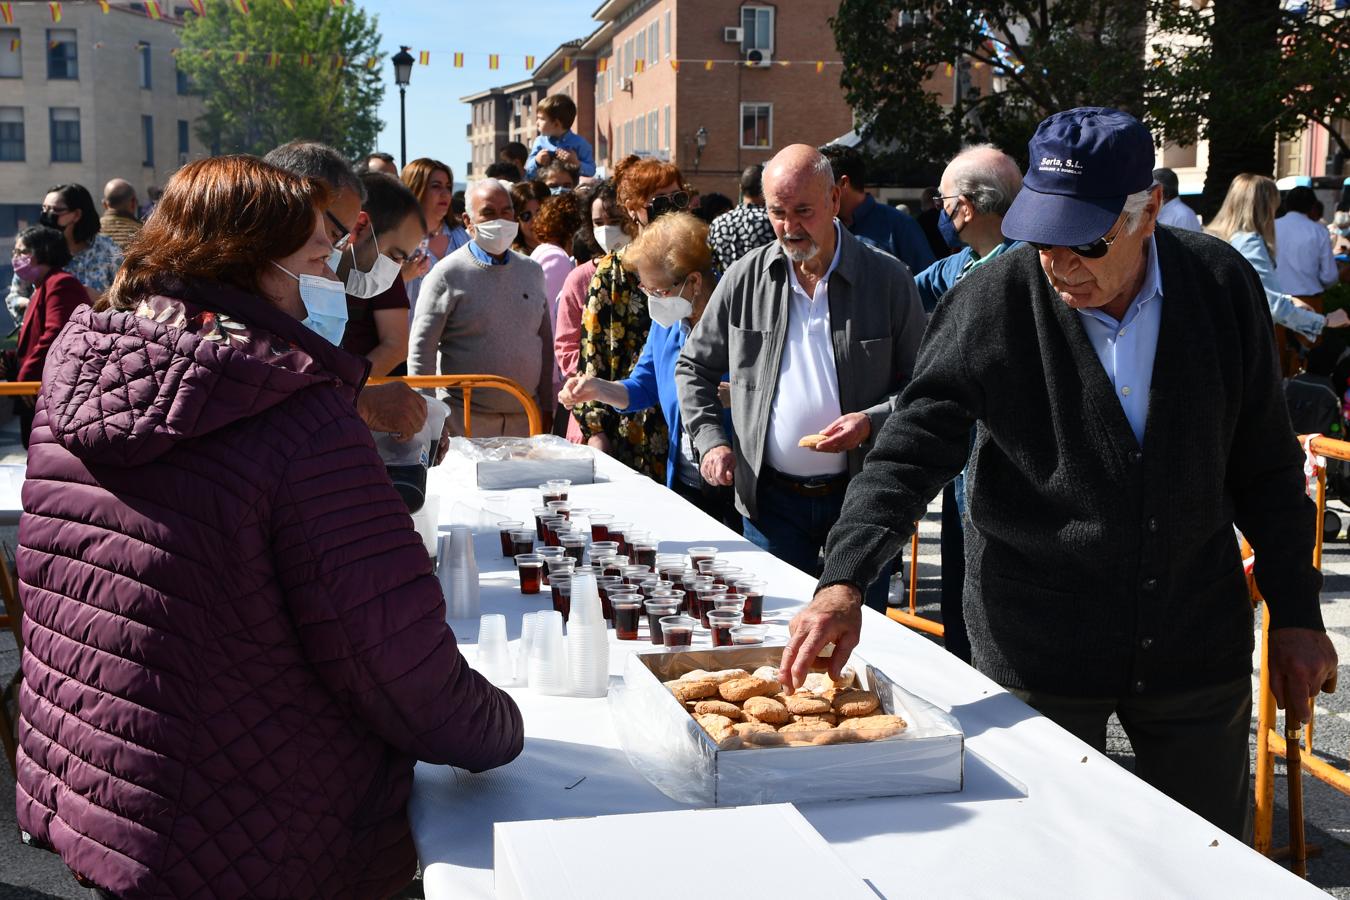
(58, 210)
(659, 206)
(666, 292)
(526, 217)
(1095, 250)
(344, 234)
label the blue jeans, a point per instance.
(794, 528)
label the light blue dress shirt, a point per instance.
(1126, 348)
(482, 255)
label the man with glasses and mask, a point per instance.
(392, 408)
(484, 310)
(818, 333)
(1122, 381)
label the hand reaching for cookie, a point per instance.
(845, 433)
(834, 615)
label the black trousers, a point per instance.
(1192, 745)
(954, 636)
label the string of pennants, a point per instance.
(155, 9)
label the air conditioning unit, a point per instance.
(759, 59)
(626, 85)
(733, 35)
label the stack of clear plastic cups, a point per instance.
(548, 655)
(587, 640)
(527, 625)
(494, 657)
(457, 572)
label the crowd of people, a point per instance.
(1095, 395)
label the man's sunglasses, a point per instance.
(659, 206)
(1095, 250)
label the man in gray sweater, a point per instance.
(1122, 382)
(483, 310)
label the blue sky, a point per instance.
(436, 118)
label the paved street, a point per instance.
(27, 874)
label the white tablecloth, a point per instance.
(1041, 814)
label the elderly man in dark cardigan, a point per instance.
(1122, 381)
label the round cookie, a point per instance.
(855, 703)
(803, 729)
(692, 690)
(836, 736)
(829, 719)
(718, 707)
(718, 727)
(740, 689)
(768, 673)
(806, 704)
(874, 728)
(745, 729)
(767, 710)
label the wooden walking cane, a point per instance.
(1293, 761)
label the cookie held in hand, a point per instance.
(811, 441)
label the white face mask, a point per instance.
(666, 311)
(611, 237)
(495, 237)
(325, 305)
(375, 282)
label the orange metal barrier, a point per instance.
(1271, 743)
(912, 619)
(466, 383)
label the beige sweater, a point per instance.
(473, 319)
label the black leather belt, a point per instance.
(814, 486)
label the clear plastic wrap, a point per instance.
(502, 463)
(681, 760)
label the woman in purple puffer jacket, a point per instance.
(235, 647)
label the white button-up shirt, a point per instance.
(1303, 255)
(806, 399)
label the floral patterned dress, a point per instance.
(614, 329)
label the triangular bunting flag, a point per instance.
(675, 65)
(424, 58)
(289, 4)
(240, 57)
(339, 3)
(373, 63)
(152, 9)
(820, 67)
(639, 65)
(339, 62)
(708, 64)
(103, 5)
(459, 60)
(494, 61)
(7, 13)
(529, 64)
(273, 59)
(242, 6)
(602, 65)
(14, 45)
(56, 11)
(198, 6)
(949, 70)
(567, 64)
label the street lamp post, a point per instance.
(700, 143)
(403, 63)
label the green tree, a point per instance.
(1044, 56)
(262, 101)
(1242, 73)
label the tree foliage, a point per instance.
(1043, 57)
(256, 104)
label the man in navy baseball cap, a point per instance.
(1084, 163)
(1122, 381)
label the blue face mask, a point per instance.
(948, 229)
(325, 304)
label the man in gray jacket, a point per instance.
(819, 334)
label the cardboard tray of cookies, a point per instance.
(710, 727)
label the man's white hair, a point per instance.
(1134, 210)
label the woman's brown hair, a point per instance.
(560, 215)
(417, 175)
(220, 219)
(637, 179)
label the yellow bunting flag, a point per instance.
(14, 45)
(707, 65)
(241, 57)
(459, 60)
(567, 64)
(339, 62)
(207, 53)
(424, 58)
(373, 63)
(306, 60)
(529, 63)
(602, 65)
(949, 70)
(289, 4)
(675, 65)
(242, 6)
(103, 5)
(152, 10)
(56, 11)
(7, 13)
(198, 6)
(339, 3)
(639, 65)
(174, 51)
(494, 61)
(820, 67)
(785, 62)
(273, 59)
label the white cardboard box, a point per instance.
(654, 856)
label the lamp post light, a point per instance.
(700, 142)
(403, 63)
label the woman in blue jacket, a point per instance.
(675, 268)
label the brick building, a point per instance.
(93, 97)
